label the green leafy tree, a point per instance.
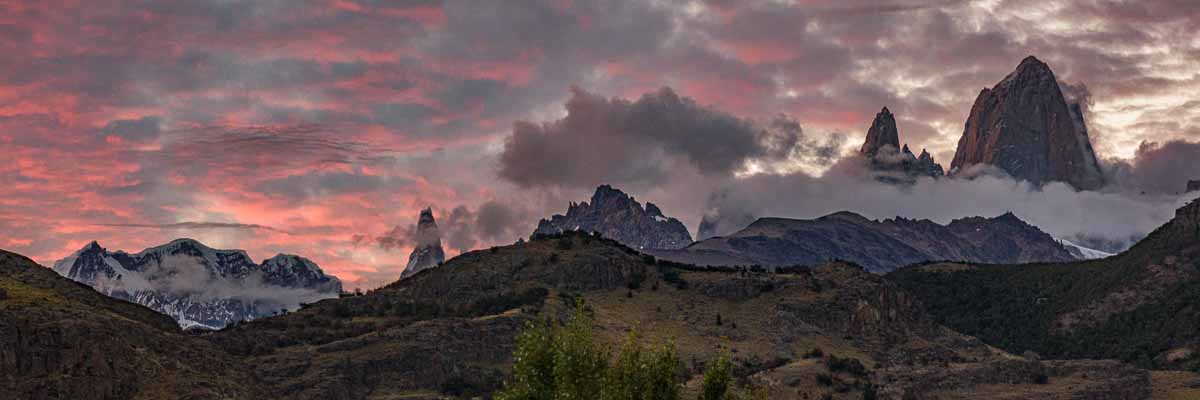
(662, 382)
(642, 374)
(569, 363)
(579, 360)
(717, 380)
(533, 368)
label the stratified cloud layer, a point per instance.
(330, 120)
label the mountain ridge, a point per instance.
(197, 285)
(878, 245)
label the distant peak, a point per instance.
(1028, 68)
(605, 193)
(188, 241)
(652, 210)
(1008, 216)
(846, 215)
(882, 132)
(426, 216)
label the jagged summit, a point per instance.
(428, 252)
(618, 216)
(1024, 126)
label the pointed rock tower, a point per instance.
(428, 252)
(882, 133)
(897, 163)
(1024, 126)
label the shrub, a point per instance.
(717, 379)
(847, 365)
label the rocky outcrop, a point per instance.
(890, 161)
(1024, 126)
(1193, 186)
(878, 246)
(199, 286)
(616, 215)
(428, 252)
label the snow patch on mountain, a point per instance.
(1083, 253)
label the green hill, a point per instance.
(1139, 306)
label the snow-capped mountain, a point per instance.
(199, 286)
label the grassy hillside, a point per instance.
(62, 340)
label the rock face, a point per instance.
(892, 162)
(878, 246)
(1025, 127)
(617, 216)
(1193, 186)
(199, 286)
(428, 252)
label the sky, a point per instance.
(321, 128)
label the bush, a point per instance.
(717, 379)
(568, 362)
(847, 365)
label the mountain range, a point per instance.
(199, 286)
(450, 331)
(878, 246)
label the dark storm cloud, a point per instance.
(614, 140)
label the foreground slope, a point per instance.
(1140, 306)
(449, 331)
(879, 246)
(62, 340)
